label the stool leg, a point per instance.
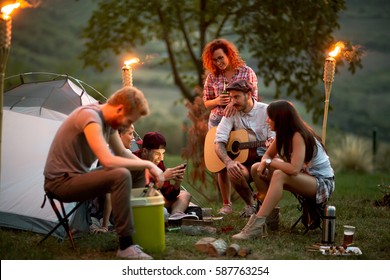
(66, 225)
(59, 217)
(63, 220)
(295, 224)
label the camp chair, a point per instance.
(311, 213)
(63, 217)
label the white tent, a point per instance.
(32, 113)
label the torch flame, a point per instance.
(339, 46)
(131, 61)
(7, 10)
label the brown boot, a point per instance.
(256, 227)
(272, 220)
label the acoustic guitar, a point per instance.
(238, 147)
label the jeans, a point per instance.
(117, 181)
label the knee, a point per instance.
(186, 195)
(278, 176)
(254, 169)
(122, 176)
(233, 180)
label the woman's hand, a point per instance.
(223, 99)
(262, 170)
(230, 110)
(269, 141)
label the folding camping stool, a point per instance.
(312, 213)
(63, 218)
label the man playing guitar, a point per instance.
(251, 116)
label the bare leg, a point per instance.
(261, 183)
(242, 188)
(181, 202)
(302, 184)
(224, 187)
(107, 211)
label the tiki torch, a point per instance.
(127, 72)
(329, 70)
(5, 45)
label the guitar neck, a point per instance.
(252, 144)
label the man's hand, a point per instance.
(175, 173)
(157, 175)
(234, 169)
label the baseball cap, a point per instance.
(153, 140)
(241, 85)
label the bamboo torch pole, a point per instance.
(5, 45)
(329, 70)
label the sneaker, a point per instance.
(181, 215)
(96, 230)
(248, 211)
(134, 252)
(226, 209)
(96, 227)
(176, 218)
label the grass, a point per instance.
(353, 153)
(354, 199)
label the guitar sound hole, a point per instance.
(235, 147)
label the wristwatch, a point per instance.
(268, 163)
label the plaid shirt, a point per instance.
(214, 85)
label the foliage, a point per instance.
(48, 39)
(198, 115)
(287, 39)
(352, 154)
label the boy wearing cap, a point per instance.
(251, 116)
(176, 199)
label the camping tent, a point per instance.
(32, 113)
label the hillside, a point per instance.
(47, 39)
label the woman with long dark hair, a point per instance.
(295, 161)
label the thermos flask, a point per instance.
(329, 225)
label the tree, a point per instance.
(288, 40)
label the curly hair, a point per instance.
(228, 48)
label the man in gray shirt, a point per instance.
(89, 134)
(251, 117)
